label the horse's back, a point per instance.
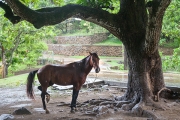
(58, 74)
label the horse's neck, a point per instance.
(87, 66)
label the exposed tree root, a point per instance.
(156, 98)
(120, 103)
(139, 107)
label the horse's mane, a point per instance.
(83, 60)
(81, 64)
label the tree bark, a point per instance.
(145, 77)
(3, 62)
(125, 59)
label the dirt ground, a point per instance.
(15, 98)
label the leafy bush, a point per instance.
(171, 26)
(172, 63)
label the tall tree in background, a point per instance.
(137, 24)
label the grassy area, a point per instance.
(110, 42)
(14, 81)
(171, 44)
(113, 62)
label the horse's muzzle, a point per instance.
(97, 70)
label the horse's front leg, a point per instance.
(74, 99)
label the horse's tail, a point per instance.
(29, 86)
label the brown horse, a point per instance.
(71, 74)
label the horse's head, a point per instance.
(94, 61)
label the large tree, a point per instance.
(137, 24)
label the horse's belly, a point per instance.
(63, 82)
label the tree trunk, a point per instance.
(125, 59)
(145, 79)
(3, 63)
(140, 38)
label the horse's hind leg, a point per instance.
(47, 94)
(43, 99)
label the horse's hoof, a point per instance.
(47, 98)
(75, 109)
(47, 111)
(72, 111)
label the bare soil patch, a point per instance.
(15, 98)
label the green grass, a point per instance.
(110, 42)
(113, 62)
(78, 57)
(170, 44)
(14, 81)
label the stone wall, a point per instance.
(82, 50)
(81, 45)
(90, 39)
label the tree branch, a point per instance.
(9, 14)
(156, 12)
(16, 43)
(52, 16)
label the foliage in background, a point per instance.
(109, 5)
(171, 26)
(23, 44)
(74, 26)
(172, 63)
(110, 41)
(171, 36)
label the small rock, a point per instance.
(115, 67)
(97, 89)
(115, 109)
(95, 109)
(60, 110)
(104, 86)
(100, 109)
(21, 111)
(63, 104)
(108, 61)
(177, 101)
(6, 117)
(120, 62)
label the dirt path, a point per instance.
(14, 98)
